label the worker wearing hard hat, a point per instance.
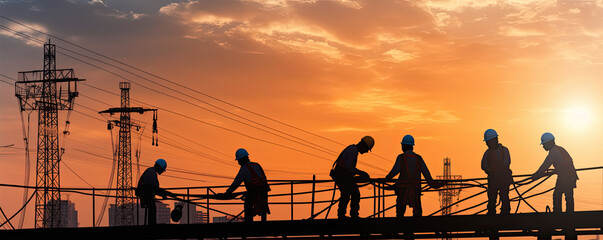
(565, 170)
(148, 187)
(410, 166)
(256, 197)
(343, 172)
(496, 163)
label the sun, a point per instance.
(578, 117)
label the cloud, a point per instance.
(390, 106)
(398, 56)
(21, 29)
(423, 116)
(347, 129)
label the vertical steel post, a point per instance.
(383, 201)
(188, 205)
(374, 199)
(207, 205)
(313, 194)
(292, 200)
(378, 200)
(93, 208)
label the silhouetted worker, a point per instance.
(495, 163)
(410, 166)
(256, 197)
(565, 170)
(343, 172)
(148, 187)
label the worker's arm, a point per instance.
(164, 193)
(237, 181)
(548, 161)
(395, 170)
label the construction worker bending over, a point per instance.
(148, 187)
(565, 170)
(343, 172)
(408, 187)
(495, 163)
(256, 197)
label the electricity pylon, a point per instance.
(47, 91)
(124, 202)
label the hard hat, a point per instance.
(369, 141)
(241, 153)
(547, 136)
(408, 140)
(489, 134)
(162, 163)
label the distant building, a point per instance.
(163, 214)
(202, 217)
(225, 219)
(68, 214)
(221, 219)
(193, 216)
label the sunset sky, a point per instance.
(441, 70)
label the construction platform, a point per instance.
(541, 225)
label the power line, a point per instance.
(196, 91)
(179, 114)
(80, 177)
(176, 142)
(307, 144)
(172, 169)
(172, 82)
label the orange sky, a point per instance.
(443, 71)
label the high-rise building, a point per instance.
(202, 217)
(225, 219)
(191, 215)
(68, 214)
(163, 214)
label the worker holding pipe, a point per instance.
(496, 163)
(343, 172)
(256, 197)
(148, 187)
(565, 170)
(410, 166)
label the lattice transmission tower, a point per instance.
(48, 91)
(450, 191)
(124, 202)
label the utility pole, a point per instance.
(124, 202)
(449, 191)
(47, 91)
